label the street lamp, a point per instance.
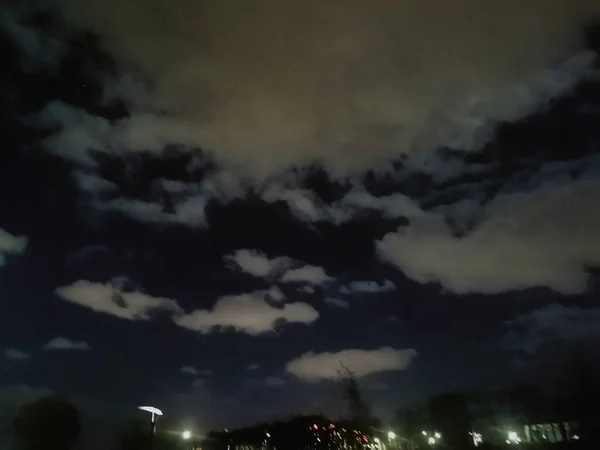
(186, 435)
(155, 412)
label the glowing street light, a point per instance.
(186, 435)
(513, 438)
(155, 412)
(391, 435)
(152, 410)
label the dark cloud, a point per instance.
(554, 323)
(61, 343)
(10, 245)
(324, 81)
(14, 354)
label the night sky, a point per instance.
(208, 206)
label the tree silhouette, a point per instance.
(49, 423)
(358, 409)
(136, 436)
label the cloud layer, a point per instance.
(326, 366)
(268, 85)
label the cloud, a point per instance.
(16, 355)
(190, 370)
(258, 264)
(199, 383)
(313, 367)
(553, 323)
(337, 303)
(108, 299)
(247, 313)
(390, 206)
(274, 382)
(93, 184)
(368, 287)
(253, 366)
(189, 212)
(61, 343)
(11, 245)
(276, 294)
(306, 274)
(247, 82)
(548, 237)
(307, 289)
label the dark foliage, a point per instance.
(49, 423)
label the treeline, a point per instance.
(53, 423)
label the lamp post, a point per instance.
(155, 412)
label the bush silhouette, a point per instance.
(49, 423)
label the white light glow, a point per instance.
(186, 434)
(391, 435)
(437, 435)
(431, 441)
(513, 437)
(151, 410)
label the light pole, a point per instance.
(155, 412)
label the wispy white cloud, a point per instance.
(307, 289)
(257, 263)
(11, 245)
(108, 299)
(337, 302)
(253, 366)
(282, 268)
(276, 294)
(188, 212)
(190, 370)
(16, 355)
(313, 367)
(92, 183)
(307, 274)
(274, 382)
(247, 313)
(62, 343)
(367, 287)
